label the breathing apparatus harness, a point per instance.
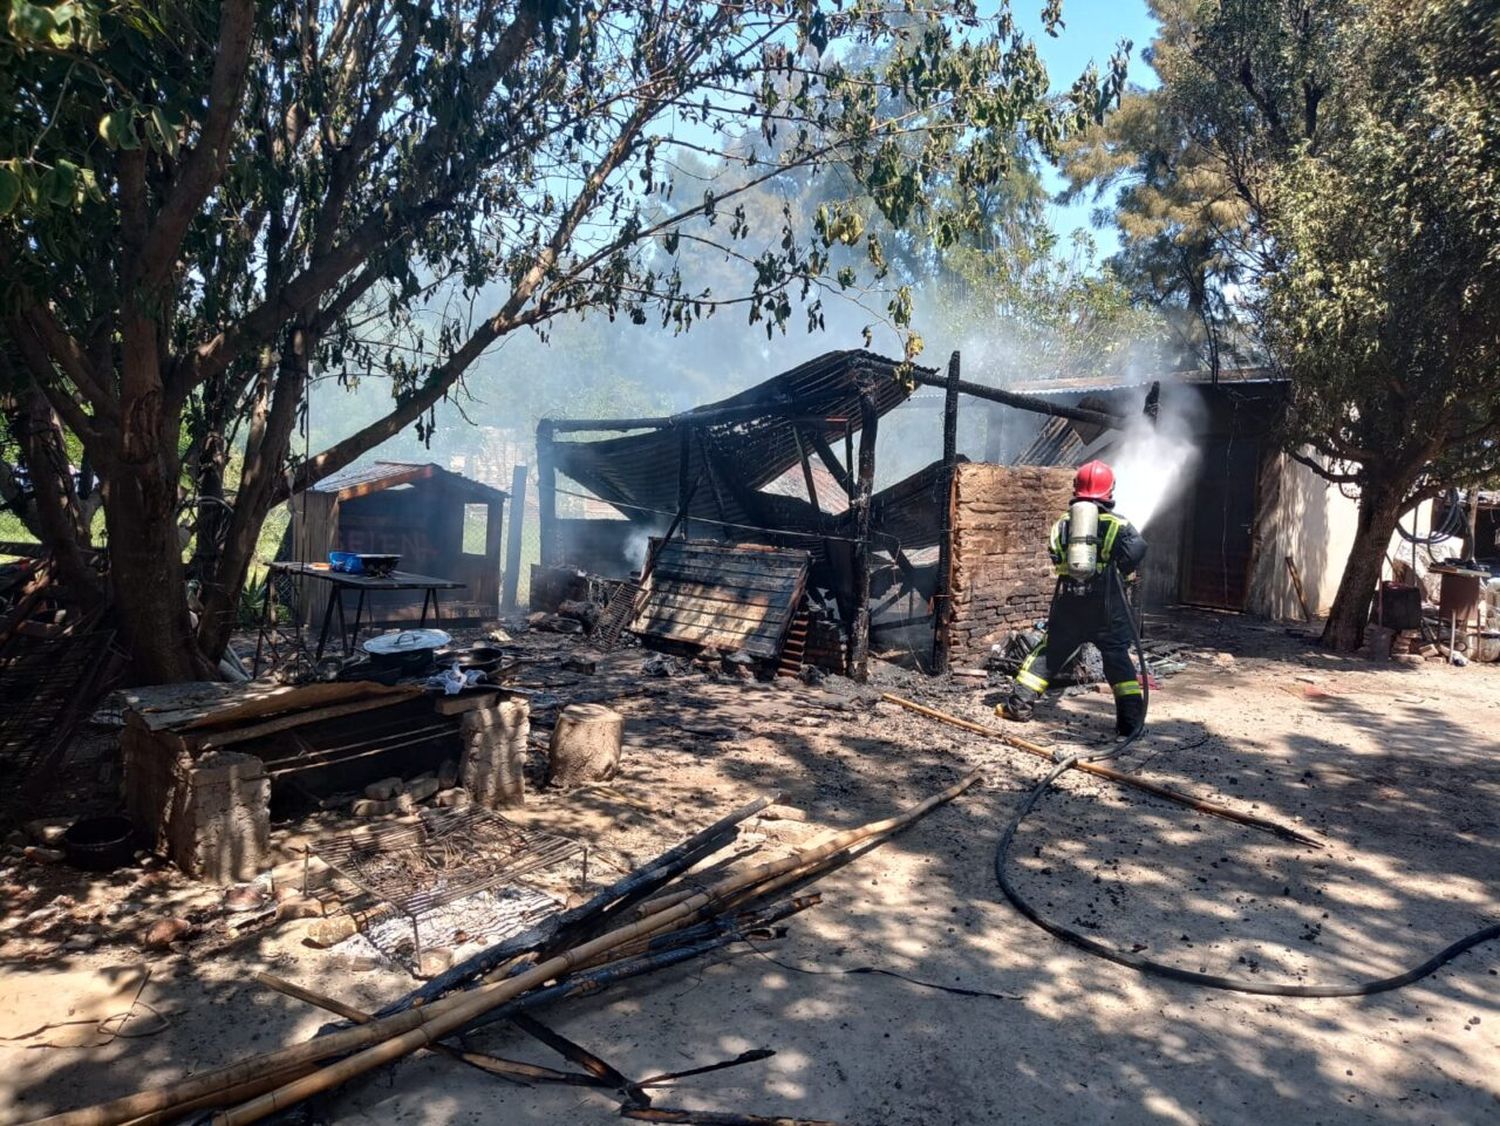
(1083, 570)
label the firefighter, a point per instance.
(1086, 543)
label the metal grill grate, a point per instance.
(446, 855)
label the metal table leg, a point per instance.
(343, 624)
(428, 595)
(265, 613)
(359, 609)
(333, 596)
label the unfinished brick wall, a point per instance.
(1002, 576)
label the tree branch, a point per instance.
(204, 166)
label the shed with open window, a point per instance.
(440, 523)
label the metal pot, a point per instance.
(408, 652)
(100, 844)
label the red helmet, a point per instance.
(1095, 481)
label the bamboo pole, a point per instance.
(495, 1065)
(447, 1016)
(1113, 775)
(389, 1038)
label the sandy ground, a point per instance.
(1396, 768)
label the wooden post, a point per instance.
(942, 598)
(546, 493)
(859, 636)
(684, 468)
(513, 538)
(807, 474)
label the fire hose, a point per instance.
(1161, 969)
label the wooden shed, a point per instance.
(439, 523)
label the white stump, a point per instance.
(585, 745)
(494, 752)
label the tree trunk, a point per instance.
(147, 575)
(1379, 509)
(59, 522)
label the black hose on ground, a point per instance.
(1160, 969)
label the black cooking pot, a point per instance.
(100, 844)
(406, 652)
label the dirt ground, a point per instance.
(1396, 768)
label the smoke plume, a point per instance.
(1153, 463)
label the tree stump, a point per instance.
(585, 745)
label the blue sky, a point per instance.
(1093, 29)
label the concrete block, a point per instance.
(494, 741)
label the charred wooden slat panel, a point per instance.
(748, 606)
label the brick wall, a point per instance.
(1002, 576)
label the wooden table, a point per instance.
(339, 582)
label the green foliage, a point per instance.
(1385, 307)
(206, 206)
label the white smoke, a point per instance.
(1153, 463)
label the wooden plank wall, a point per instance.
(732, 597)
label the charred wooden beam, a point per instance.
(546, 496)
(513, 539)
(685, 482)
(807, 474)
(830, 461)
(859, 634)
(942, 598)
(1032, 403)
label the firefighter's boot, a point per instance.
(1017, 707)
(1130, 715)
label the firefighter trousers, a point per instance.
(1100, 616)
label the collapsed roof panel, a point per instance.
(733, 447)
(704, 593)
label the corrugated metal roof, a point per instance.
(388, 474)
(731, 460)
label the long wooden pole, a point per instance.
(546, 493)
(1107, 772)
(942, 599)
(1031, 403)
(859, 632)
(513, 534)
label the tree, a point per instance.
(1339, 161)
(204, 204)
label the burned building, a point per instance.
(948, 560)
